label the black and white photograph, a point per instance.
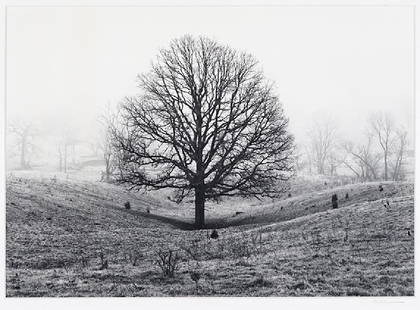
(214, 150)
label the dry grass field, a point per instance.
(76, 238)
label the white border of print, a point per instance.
(382, 303)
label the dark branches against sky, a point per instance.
(206, 123)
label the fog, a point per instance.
(64, 65)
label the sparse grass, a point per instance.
(362, 248)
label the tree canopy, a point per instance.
(205, 122)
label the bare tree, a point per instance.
(362, 160)
(400, 152)
(66, 149)
(206, 123)
(308, 158)
(108, 156)
(333, 161)
(24, 133)
(322, 137)
(60, 153)
(383, 128)
(105, 143)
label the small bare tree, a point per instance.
(107, 121)
(322, 140)
(308, 158)
(361, 159)
(334, 161)
(66, 144)
(383, 128)
(400, 153)
(206, 123)
(107, 153)
(60, 154)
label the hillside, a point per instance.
(318, 201)
(57, 231)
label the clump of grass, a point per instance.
(260, 281)
(104, 261)
(133, 256)
(83, 260)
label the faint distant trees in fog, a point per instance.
(384, 130)
(105, 143)
(95, 146)
(361, 159)
(61, 150)
(23, 135)
(393, 144)
(66, 144)
(321, 149)
(107, 153)
(400, 147)
(380, 154)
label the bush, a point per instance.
(247, 245)
(127, 205)
(168, 262)
(104, 261)
(334, 201)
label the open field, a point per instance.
(62, 233)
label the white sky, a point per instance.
(65, 64)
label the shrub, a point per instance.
(214, 234)
(168, 262)
(246, 246)
(260, 281)
(127, 205)
(334, 201)
(104, 261)
(195, 276)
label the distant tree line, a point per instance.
(381, 153)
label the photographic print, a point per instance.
(209, 151)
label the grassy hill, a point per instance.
(60, 233)
(318, 201)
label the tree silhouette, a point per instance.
(206, 122)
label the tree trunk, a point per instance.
(65, 158)
(73, 154)
(60, 163)
(199, 207)
(386, 166)
(22, 154)
(107, 168)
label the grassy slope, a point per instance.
(318, 201)
(363, 248)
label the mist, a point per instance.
(66, 65)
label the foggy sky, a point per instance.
(65, 64)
